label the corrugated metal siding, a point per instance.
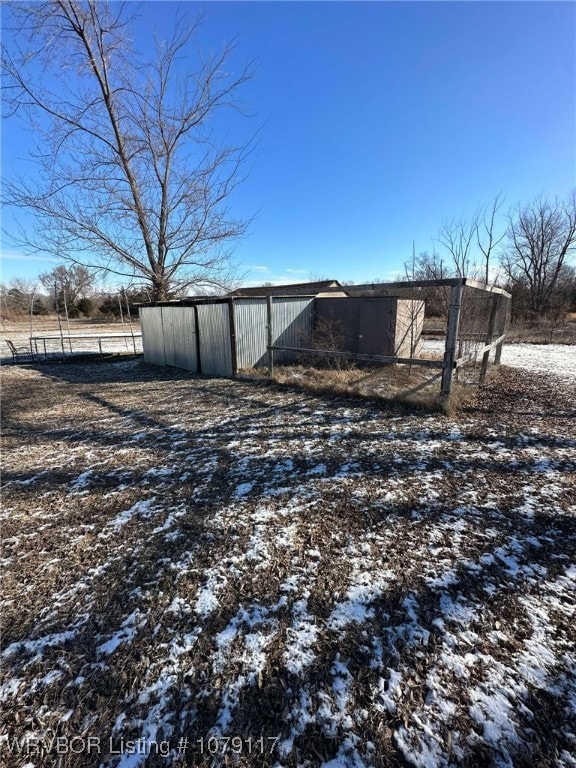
(152, 335)
(251, 336)
(179, 326)
(168, 322)
(292, 324)
(169, 333)
(214, 334)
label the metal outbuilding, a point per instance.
(221, 336)
(378, 323)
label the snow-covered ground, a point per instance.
(557, 359)
(210, 572)
(94, 338)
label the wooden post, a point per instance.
(32, 311)
(129, 319)
(59, 320)
(451, 337)
(489, 335)
(270, 336)
(67, 318)
(504, 321)
(122, 317)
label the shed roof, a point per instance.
(292, 289)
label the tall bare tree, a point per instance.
(487, 236)
(457, 237)
(540, 241)
(131, 178)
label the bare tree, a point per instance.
(429, 266)
(18, 295)
(541, 238)
(486, 237)
(426, 266)
(131, 178)
(457, 237)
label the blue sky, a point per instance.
(377, 121)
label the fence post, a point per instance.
(270, 336)
(59, 321)
(121, 320)
(32, 315)
(503, 322)
(452, 336)
(129, 320)
(489, 335)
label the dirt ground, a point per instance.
(208, 572)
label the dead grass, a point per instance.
(546, 332)
(561, 331)
(415, 386)
(565, 335)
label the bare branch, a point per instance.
(456, 236)
(130, 177)
(486, 237)
(540, 242)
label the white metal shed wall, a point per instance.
(214, 335)
(179, 326)
(152, 335)
(292, 324)
(251, 318)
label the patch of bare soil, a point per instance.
(207, 572)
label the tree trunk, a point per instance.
(160, 289)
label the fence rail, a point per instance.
(477, 352)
